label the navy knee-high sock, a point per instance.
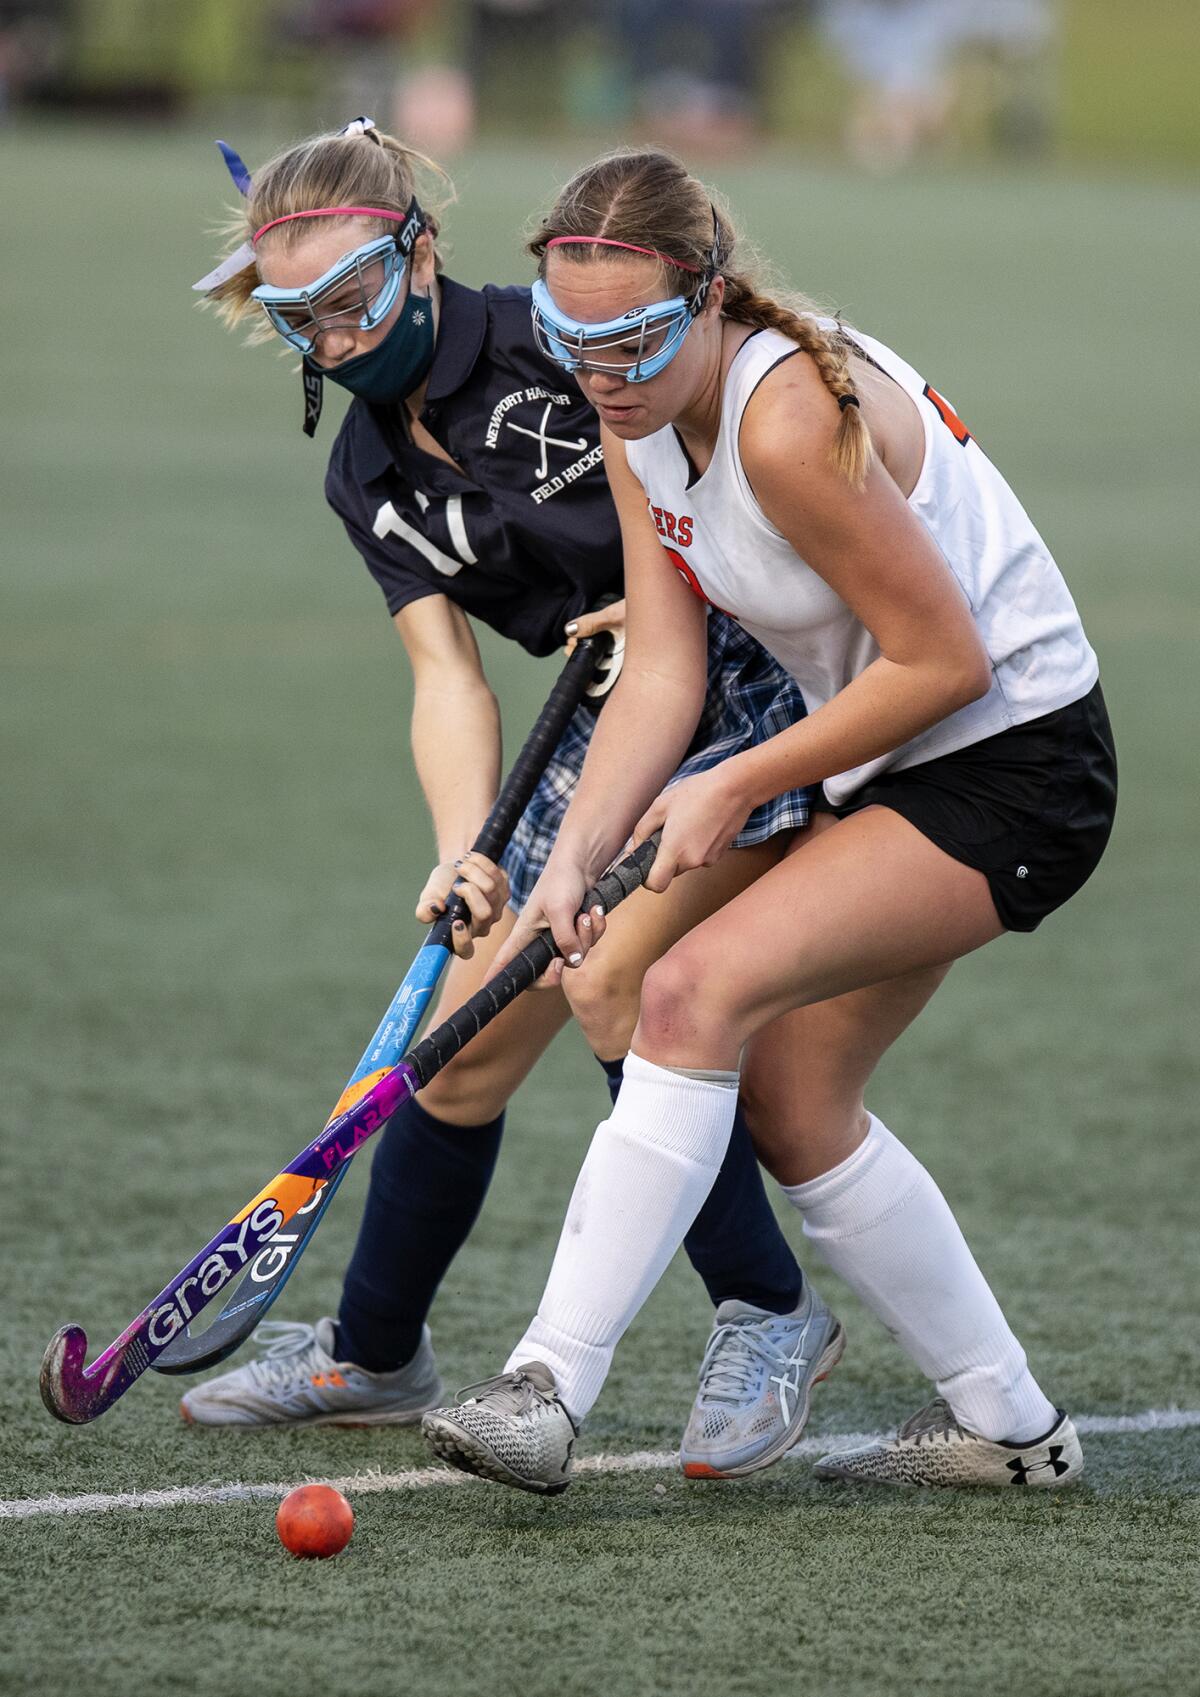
(735, 1243)
(428, 1182)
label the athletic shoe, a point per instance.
(934, 1449)
(296, 1382)
(756, 1380)
(511, 1429)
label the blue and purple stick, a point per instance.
(257, 1285)
(76, 1393)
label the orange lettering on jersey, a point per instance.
(950, 418)
(674, 529)
(689, 577)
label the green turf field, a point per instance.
(211, 847)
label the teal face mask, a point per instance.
(385, 374)
(399, 364)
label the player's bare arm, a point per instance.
(456, 749)
(869, 547)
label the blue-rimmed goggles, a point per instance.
(634, 347)
(356, 293)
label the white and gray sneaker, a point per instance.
(511, 1429)
(297, 1382)
(756, 1380)
(934, 1449)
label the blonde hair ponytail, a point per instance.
(358, 167)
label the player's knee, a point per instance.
(680, 1003)
(603, 996)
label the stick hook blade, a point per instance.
(62, 1367)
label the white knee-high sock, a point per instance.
(646, 1176)
(884, 1226)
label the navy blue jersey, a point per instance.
(526, 537)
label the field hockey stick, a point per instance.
(77, 1394)
(270, 1270)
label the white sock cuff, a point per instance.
(881, 1172)
(670, 1110)
(580, 1363)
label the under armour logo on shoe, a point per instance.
(1020, 1472)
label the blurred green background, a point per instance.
(1118, 79)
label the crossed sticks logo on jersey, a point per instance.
(538, 404)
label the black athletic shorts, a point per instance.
(1030, 808)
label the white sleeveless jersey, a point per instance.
(729, 552)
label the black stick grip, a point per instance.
(433, 1052)
(530, 764)
(540, 744)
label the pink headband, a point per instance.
(329, 212)
(606, 241)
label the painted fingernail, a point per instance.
(597, 913)
(572, 627)
(574, 960)
(460, 860)
(586, 919)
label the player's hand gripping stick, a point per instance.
(256, 1288)
(76, 1393)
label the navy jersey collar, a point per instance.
(462, 326)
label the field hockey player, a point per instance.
(468, 475)
(802, 476)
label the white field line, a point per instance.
(422, 1478)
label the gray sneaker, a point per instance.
(933, 1449)
(296, 1382)
(511, 1429)
(755, 1383)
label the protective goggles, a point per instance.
(355, 294)
(635, 347)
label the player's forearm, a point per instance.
(882, 709)
(643, 734)
(456, 749)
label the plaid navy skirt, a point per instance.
(750, 698)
